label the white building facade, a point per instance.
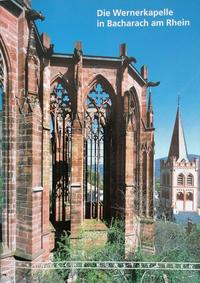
(178, 176)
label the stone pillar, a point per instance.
(77, 146)
(29, 189)
(48, 237)
(76, 178)
(9, 174)
(117, 196)
(140, 184)
(131, 232)
(147, 185)
(130, 182)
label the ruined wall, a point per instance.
(25, 229)
(32, 72)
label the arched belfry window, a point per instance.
(97, 118)
(180, 180)
(3, 82)
(61, 123)
(180, 196)
(190, 180)
(189, 196)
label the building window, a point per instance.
(3, 83)
(97, 118)
(180, 179)
(190, 180)
(189, 196)
(61, 149)
(179, 196)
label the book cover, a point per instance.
(99, 141)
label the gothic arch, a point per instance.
(98, 118)
(3, 73)
(132, 109)
(136, 98)
(5, 86)
(6, 56)
(8, 72)
(61, 131)
(59, 78)
(106, 85)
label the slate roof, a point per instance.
(178, 146)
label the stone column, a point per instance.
(130, 181)
(76, 178)
(140, 184)
(48, 237)
(147, 185)
(8, 194)
(29, 190)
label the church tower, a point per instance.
(178, 175)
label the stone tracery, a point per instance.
(97, 140)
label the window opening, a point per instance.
(61, 129)
(98, 112)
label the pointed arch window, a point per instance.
(3, 79)
(98, 114)
(3, 83)
(180, 180)
(2, 72)
(61, 124)
(190, 180)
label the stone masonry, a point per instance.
(38, 139)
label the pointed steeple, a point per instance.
(178, 147)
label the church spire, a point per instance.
(178, 147)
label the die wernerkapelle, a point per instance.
(135, 13)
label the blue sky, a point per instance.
(172, 54)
